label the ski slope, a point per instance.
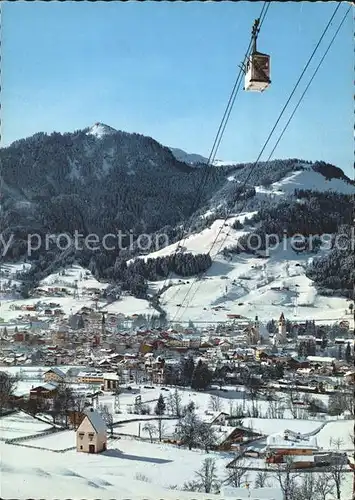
(250, 286)
(304, 179)
(197, 243)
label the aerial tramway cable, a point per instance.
(266, 142)
(309, 83)
(217, 141)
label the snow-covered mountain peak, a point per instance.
(100, 129)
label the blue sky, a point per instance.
(166, 70)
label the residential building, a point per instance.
(111, 381)
(91, 435)
(90, 378)
(44, 391)
(54, 375)
(300, 448)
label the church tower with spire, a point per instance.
(281, 334)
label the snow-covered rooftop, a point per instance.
(96, 420)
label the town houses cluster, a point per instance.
(264, 398)
(96, 343)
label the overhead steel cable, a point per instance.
(309, 83)
(258, 159)
(305, 91)
(247, 54)
(216, 143)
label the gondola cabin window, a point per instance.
(257, 74)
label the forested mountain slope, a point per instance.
(100, 180)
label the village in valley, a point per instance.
(242, 408)
(177, 251)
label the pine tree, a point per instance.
(202, 376)
(188, 366)
(160, 406)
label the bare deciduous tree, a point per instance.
(237, 473)
(151, 430)
(261, 480)
(63, 402)
(292, 398)
(307, 488)
(324, 486)
(206, 478)
(207, 436)
(275, 409)
(215, 403)
(287, 478)
(339, 464)
(188, 429)
(35, 406)
(107, 416)
(174, 404)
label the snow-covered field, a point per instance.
(56, 442)
(340, 430)
(128, 470)
(137, 428)
(198, 243)
(74, 274)
(19, 425)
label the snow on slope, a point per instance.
(306, 179)
(9, 273)
(76, 273)
(250, 286)
(29, 473)
(342, 430)
(198, 243)
(20, 425)
(99, 130)
(244, 285)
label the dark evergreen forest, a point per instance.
(75, 182)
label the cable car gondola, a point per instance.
(257, 70)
